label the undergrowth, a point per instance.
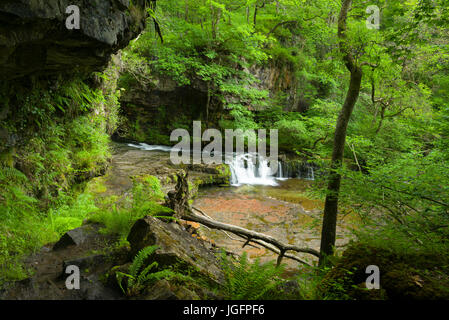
(57, 140)
(144, 272)
(145, 201)
(251, 281)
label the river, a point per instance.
(275, 205)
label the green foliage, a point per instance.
(413, 196)
(396, 159)
(25, 228)
(146, 196)
(250, 281)
(137, 276)
(70, 216)
(61, 128)
(144, 272)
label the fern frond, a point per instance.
(142, 277)
(250, 281)
(140, 259)
(12, 175)
(120, 276)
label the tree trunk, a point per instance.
(208, 102)
(329, 227)
(255, 15)
(215, 20)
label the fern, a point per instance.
(250, 281)
(136, 277)
(12, 175)
(140, 259)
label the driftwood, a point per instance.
(184, 211)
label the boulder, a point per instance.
(89, 262)
(92, 288)
(165, 290)
(403, 275)
(75, 237)
(161, 291)
(175, 247)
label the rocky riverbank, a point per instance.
(97, 254)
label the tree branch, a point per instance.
(245, 233)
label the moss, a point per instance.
(7, 157)
(402, 276)
(225, 172)
(97, 185)
(405, 282)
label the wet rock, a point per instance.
(75, 237)
(161, 291)
(86, 263)
(175, 246)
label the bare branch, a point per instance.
(248, 234)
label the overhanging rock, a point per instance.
(34, 39)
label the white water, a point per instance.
(147, 147)
(310, 173)
(280, 175)
(245, 169)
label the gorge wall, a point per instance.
(55, 113)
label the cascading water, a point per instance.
(147, 147)
(255, 170)
(252, 169)
(310, 173)
(280, 174)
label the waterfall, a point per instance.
(310, 173)
(147, 147)
(280, 174)
(251, 169)
(255, 170)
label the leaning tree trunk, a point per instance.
(329, 227)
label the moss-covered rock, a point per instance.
(175, 247)
(402, 275)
